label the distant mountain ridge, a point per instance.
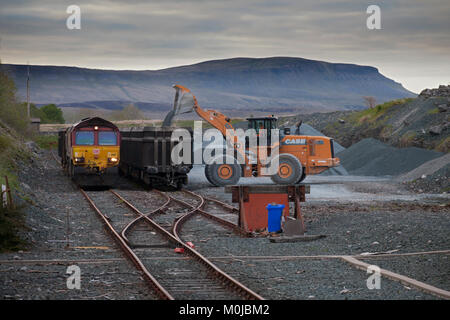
(280, 84)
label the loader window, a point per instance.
(107, 138)
(84, 138)
(256, 124)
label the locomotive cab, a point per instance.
(92, 144)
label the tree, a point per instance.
(53, 114)
(11, 111)
(370, 102)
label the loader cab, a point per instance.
(267, 123)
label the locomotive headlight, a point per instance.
(95, 128)
(113, 159)
(79, 160)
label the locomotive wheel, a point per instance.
(223, 174)
(289, 170)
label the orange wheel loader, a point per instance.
(297, 155)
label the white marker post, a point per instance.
(4, 198)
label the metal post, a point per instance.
(67, 229)
(242, 217)
(297, 214)
(8, 193)
(28, 92)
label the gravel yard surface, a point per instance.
(403, 224)
(397, 223)
(60, 213)
(314, 279)
(433, 269)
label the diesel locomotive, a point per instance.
(90, 149)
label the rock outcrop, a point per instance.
(442, 91)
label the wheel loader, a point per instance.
(297, 156)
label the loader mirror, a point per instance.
(287, 131)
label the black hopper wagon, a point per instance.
(146, 155)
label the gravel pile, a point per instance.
(370, 157)
(438, 182)
(426, 169)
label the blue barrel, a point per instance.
(274, 212)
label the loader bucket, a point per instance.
(184, 102)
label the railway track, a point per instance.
(143, 237)
(149, 240)
(193, 278)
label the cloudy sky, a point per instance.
(412, 46)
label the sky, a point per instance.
(412, 47)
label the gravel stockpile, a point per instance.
(428, 168)
(438, 182)
(370, 157)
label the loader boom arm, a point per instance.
(216, 119)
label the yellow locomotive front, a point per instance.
(89, 148)
(96, 148)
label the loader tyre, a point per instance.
(289, 171)
(223, 174)
(207, 172)
(302, 177)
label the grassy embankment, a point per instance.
(401, 122)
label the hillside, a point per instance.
(280, 83)
(421, 122)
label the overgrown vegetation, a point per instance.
(11, 222)
(373, 115)
(402, 123)
(47, 141)
(14, 129)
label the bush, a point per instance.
(5, 143)
(52, 113)
(11, 222)
(47, 141)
